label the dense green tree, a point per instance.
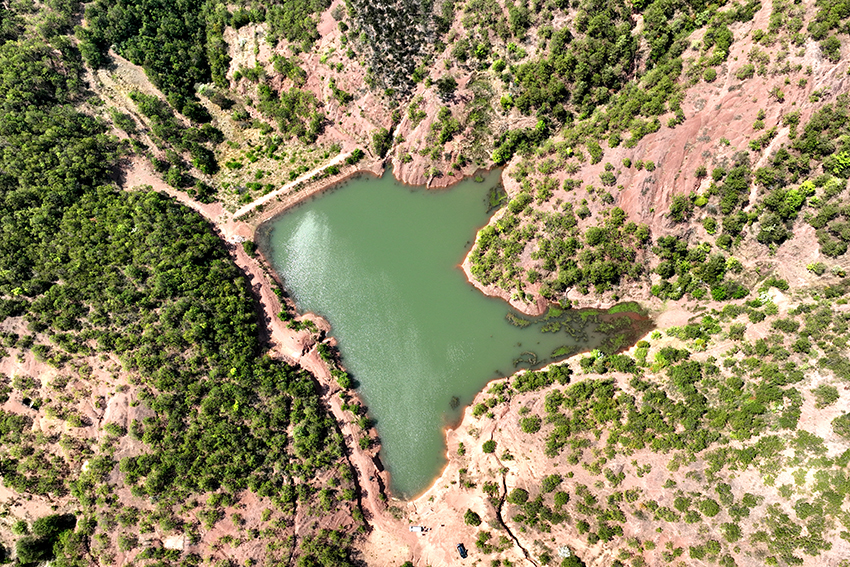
(471, 518)
(382, 140)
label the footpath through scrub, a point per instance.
(266, 198)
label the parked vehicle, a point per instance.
(461, 550)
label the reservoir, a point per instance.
(381, 262)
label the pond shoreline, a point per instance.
(379, 262)
(298, 348)
(259, 222)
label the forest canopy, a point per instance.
(95, 270)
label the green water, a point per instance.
(381, 262)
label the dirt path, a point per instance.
(274, 194)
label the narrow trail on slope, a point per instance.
(266, 198)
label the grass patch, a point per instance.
(627, 307)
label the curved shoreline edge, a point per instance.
(298, 347)
(261, 236)
(260, 233)
(380, 506)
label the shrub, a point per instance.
(778, 283)
(127, 542)
(595, 151)
(841, 425)
(530, 424)
(561, 498)
(681, 503)
(471, 518)
(736, 331)
(343, 379)
(32, 550)
(745, 72)
(825, 395)
(732, 532)
(817, 268)
(802, 345)
(518, 496)
(719, 293)
(115, 429)
(786, 325)
(50, 527)
(582, 527)
(831, 48)
(382, 140)
(709, 507)
(551, 482)
(681, 208)
(519, 203)
(20, 527)
(355, 156)
(478, 410)
(446, 86)
(489, 446)
(772, 229)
